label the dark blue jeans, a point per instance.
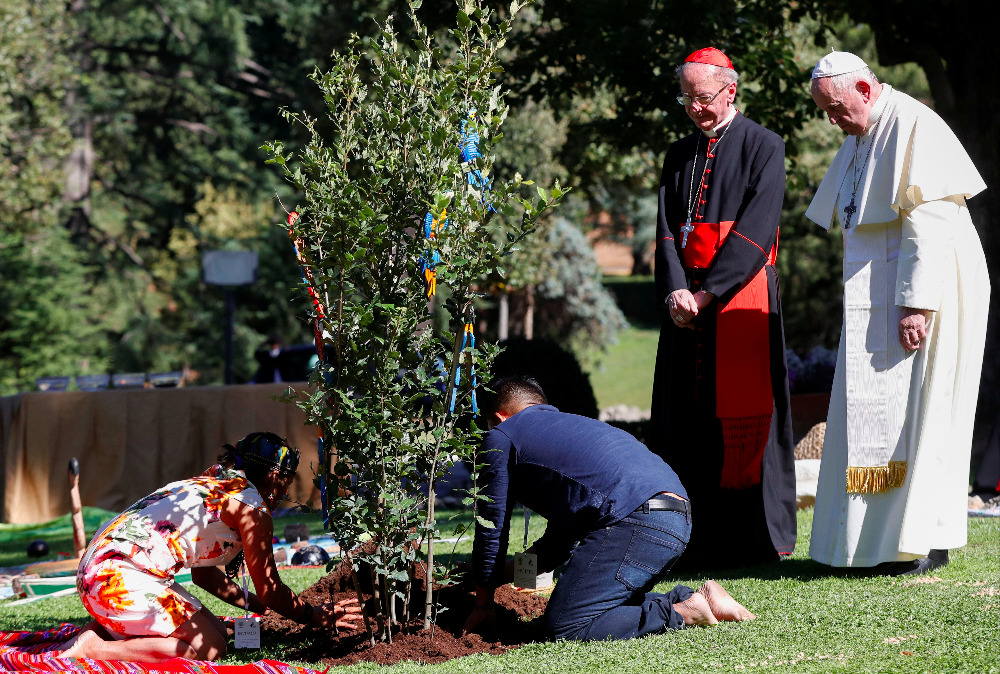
(604, 591)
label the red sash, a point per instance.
(743, 399)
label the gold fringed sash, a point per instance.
(875, 479)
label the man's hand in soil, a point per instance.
(484, 615)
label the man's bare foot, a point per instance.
(81, 645)
(721, 603)
(696, 611)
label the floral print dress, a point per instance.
(126, 577)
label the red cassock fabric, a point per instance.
(743, 399)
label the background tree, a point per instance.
(571, 306)
(46, 316)
(125, 117)
(608, 66)
(174, 103)
(553, 286)
(162, 109)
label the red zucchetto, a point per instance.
(711, 56)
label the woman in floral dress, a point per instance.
(126, 578)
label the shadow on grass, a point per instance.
(793, 569)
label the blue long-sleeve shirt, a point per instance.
(579, 473)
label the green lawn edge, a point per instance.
(810, 619)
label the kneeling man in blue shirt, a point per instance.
(601, 490)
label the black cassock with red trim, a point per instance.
(720, 411)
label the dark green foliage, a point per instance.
(809, 276)
(618, 58)
(44, 302)
(44, 322)
(34, 140)
(636, 297)
(179, 102)
(164, 104)
(639, 429)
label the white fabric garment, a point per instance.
(911, 244)
(916, 157)
(838, 63)
(714, 131)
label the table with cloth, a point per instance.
(130, 442)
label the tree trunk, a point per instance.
(80, 162)
(390, 605)
(529, 313)
(503, 319)
(429, 573)
(381, 616)
(361, 598)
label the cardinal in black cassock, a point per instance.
(720, 411)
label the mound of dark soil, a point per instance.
(517, 623)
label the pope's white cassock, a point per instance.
(895, 468)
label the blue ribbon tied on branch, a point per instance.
(465, 355)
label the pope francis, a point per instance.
(893, 479)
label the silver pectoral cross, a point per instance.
(850, 209)
(687, 229)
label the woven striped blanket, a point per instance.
(39, 652)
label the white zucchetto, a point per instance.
(838, 63)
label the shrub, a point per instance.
(558, 371)
(812, 374)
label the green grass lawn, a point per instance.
(810, 619)
(624, 375)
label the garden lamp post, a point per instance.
(229, 269)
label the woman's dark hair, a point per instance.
(258, 454)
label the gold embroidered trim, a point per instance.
(875, 479)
